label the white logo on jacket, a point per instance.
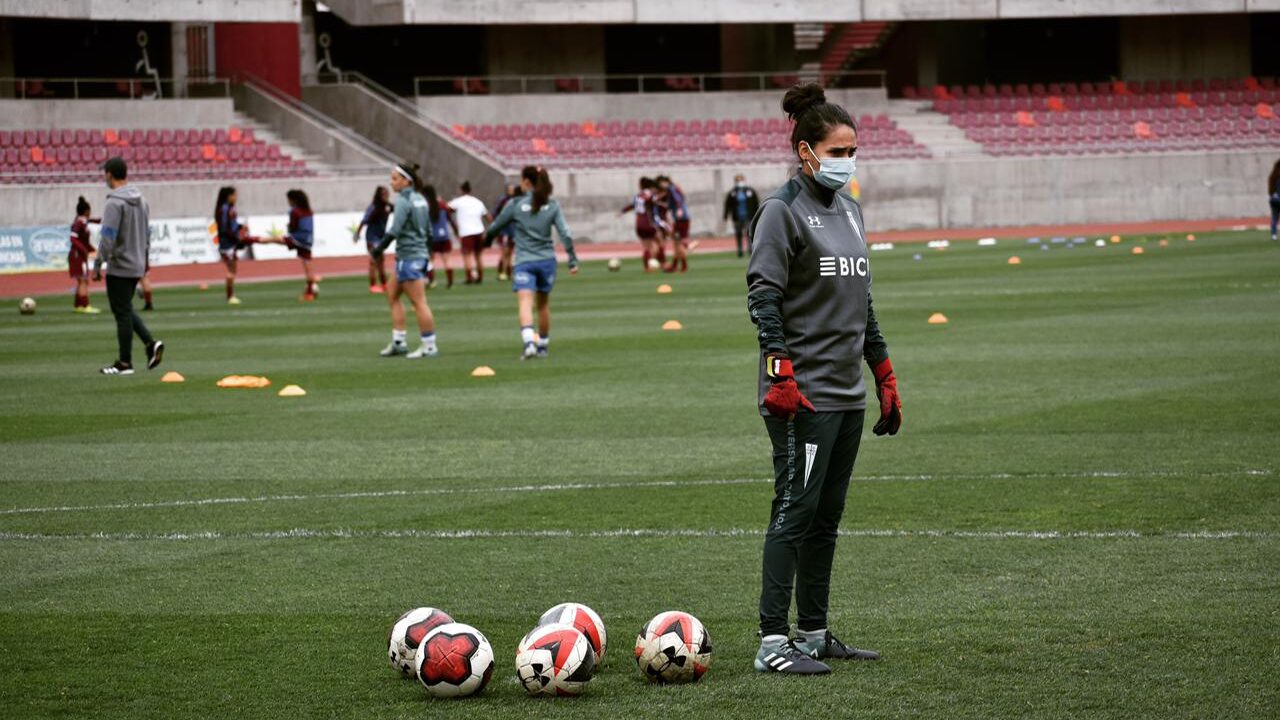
(842, 266)
(814, 221)
(854, 223)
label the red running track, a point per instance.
(50, 282)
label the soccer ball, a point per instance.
(673, 648)
(654, 264)
(407, 633)
(27, 306)
(555, 659)
(583, 618)
(615, 265)
(454, 660)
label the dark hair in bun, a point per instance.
(806, 106)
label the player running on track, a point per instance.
(78, 257)
(471, 216)
(533, 215)
(809, 294)
(441, 241)
(374, 224)
(410, 224)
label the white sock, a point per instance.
(543, 340)
(526, 334)
(429, 341)
(812, 636)
(398, 336)
(771, 642)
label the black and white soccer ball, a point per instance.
(407, 634)
(673, 648)
(555, 660)
(27, 306)
(615, 265)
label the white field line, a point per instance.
(341, 533)
(563, 487)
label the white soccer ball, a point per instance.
(555, 659)
(454, 660)
(673, 648)
(615, 264)
(27, 306)
(407, 633)
(654, 264)
(583, 618)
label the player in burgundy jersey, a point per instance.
(506, 240)
(78, 257)
(674, 199)
(642, 206)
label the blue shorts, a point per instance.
(410, 269)
(538, 276)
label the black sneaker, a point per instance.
(787, 658)
(117, 368)
(830, 648)
(155, 353)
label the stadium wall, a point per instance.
(188, 113)
(181, 10)
(492, 109)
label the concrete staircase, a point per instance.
(267, 135)
(933, 129)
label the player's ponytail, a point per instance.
(541, 182)
(806, 106)
(224, 193)
(433, 202)
(82, 206)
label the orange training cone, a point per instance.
(938, 319)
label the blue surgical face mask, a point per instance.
(832, 173)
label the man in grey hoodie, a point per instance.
(125, 240)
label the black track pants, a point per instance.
(813, 458)
(120, 296)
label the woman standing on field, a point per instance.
(809, 294)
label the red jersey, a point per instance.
(80, 236)
(642, 205)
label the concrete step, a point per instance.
(286, 146)
(932, 129)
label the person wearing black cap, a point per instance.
(125, 240)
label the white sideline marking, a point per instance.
(561, 487)
(342, 533)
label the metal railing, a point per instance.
(133, 88)
(640, 83)
(333, 126)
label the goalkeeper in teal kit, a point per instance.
(809, 294)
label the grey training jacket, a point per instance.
(126, 233)
(809, 255)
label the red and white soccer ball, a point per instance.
(555, 659)
(454, 660)
(583, 618)
(407, 633)
(673, 648)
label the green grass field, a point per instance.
(1080, 518)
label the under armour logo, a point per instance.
(814, 221)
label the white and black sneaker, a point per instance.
(155, 353)
(787, 658)
(530, 351)
(117, 368)
(395, 349)
(829, 647)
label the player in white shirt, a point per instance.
(471, 217)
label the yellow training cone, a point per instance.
(291, 391)
(1015, 260)
(672, 325)
(1191, 238)
(173, 377)
(1137, 250)
(483, 371)
(664, 289)
(1115, 239)
(937, 319)
(243, 381)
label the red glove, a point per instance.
(784, 399)
(890, 404)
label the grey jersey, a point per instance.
(809, 248)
